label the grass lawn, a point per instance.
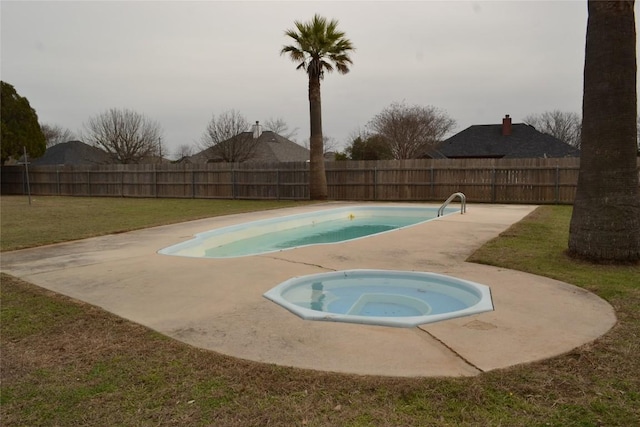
(59, 219)
(68, 363)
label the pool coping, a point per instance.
(217, 304)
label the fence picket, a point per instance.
(535, 181)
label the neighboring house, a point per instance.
(72, 153)
(79, 153)
(330, 156)
(153, 160)
(508, 141)
(270, 147)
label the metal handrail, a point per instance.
(463, 203)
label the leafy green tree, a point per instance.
(369, 148)
(318, 47)
(605, 224)
(20, 127)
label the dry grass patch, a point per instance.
(67, 363)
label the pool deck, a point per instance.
(217, 304)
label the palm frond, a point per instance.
(319, 47)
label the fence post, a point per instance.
(433, 192)
(375, 183)
(233, 184)
(278, 184)
(493, 185)
(557, 184)
(155, 181)
(58, 179)
(193, 184)
(89, 183)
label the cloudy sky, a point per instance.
(180, 62)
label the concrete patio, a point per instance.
(217, 304)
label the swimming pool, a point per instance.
(381, 297)
(313, 228)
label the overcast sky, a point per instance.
(180, 62)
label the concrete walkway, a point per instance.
(217, 304)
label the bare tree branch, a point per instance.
(411, 130)
(281, 127)
(330, 144)
(562, 125)
(125, 135)
(228, 138)
(56, 134)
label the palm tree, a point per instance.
(318, 47)
(605, 225)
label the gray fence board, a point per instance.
(535, 181)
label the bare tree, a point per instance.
(281, 127)
(411, 130)
(564, 126)
(127, 136)
(184, 150)
(56, 134)
(229, 139)
(330, 144)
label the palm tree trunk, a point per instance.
(317, 176)
(605, 225)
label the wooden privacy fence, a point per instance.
(534, 181)
(223, 181)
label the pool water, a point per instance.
(381, 297)
(343, 298)
(320, 227)
(312, 234)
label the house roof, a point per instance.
(488, 141)
(270, 147)
(274, 147)
(72, 153)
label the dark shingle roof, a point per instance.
(487, 141)
(273, 147)
(72, 153)
(270, 147)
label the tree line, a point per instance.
(399, 131)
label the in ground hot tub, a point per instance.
(381, 297)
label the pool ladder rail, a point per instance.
(463, 203)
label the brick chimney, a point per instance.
(506, 125)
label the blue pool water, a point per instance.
(381, 297)
(321, 227)
(345, 296)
